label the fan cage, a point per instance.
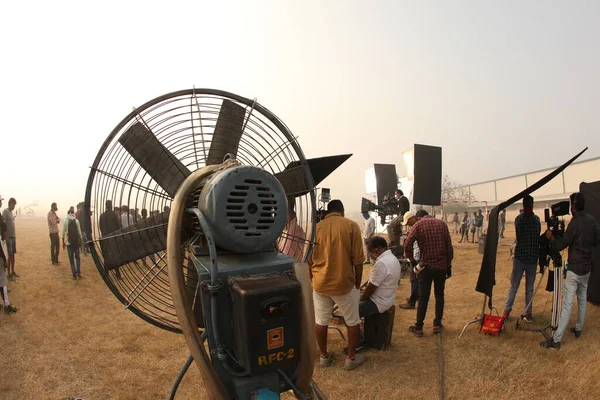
(184, 122)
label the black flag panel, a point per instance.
(591, 191)
(487, 273)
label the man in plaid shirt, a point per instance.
(527, 227)
(435, 244)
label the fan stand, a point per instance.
(479, 318)
(214, 386)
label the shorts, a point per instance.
(11, 245)
(347, 304)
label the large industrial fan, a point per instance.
(204, 214)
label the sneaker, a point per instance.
(358, 360)
(438, 329)
(527, 317)
(15, 275)
(407, 306)
(79, 276)
(326, 362)
(550, 344)
(418, 332)
(576, 333)
(73, 278)
(505, 315)
(10, 309)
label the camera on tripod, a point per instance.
(556, 225)
(389, 206)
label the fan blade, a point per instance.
(148, 236)
(228, 132)
(293, 178)
(155, 158)
(294, 181)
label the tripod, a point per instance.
(557, 269)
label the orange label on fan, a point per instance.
(275, 338)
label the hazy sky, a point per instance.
(503, 87)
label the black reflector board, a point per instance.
(387, 180)
(427, 189)
(591, 191)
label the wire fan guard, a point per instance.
(145, 159)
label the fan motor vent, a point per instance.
(238, 207)
(247, 205)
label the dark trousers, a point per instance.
(366, 308)
(414, 291)
(426, 278)
(464, 234)
(54, 247)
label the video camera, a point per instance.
(556, 225)
(389, 207)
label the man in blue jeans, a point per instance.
(528, 227)
(581, 236)
(72, 238)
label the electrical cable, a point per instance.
(183, 371)
(287, 380)
(441, 366)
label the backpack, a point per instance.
(73, 232)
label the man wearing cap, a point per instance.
(11, 237)
(434, 267)
(409, 220)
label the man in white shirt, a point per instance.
(368, 232)
(380, 293)
(126, 217)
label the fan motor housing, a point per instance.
(246, 208)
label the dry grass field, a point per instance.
(73, 338)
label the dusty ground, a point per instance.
(73, 338)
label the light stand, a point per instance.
(479, 318)
(557, 267)
(325, 196)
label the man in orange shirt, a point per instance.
(336, 266)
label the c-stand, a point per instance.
(556, 269)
